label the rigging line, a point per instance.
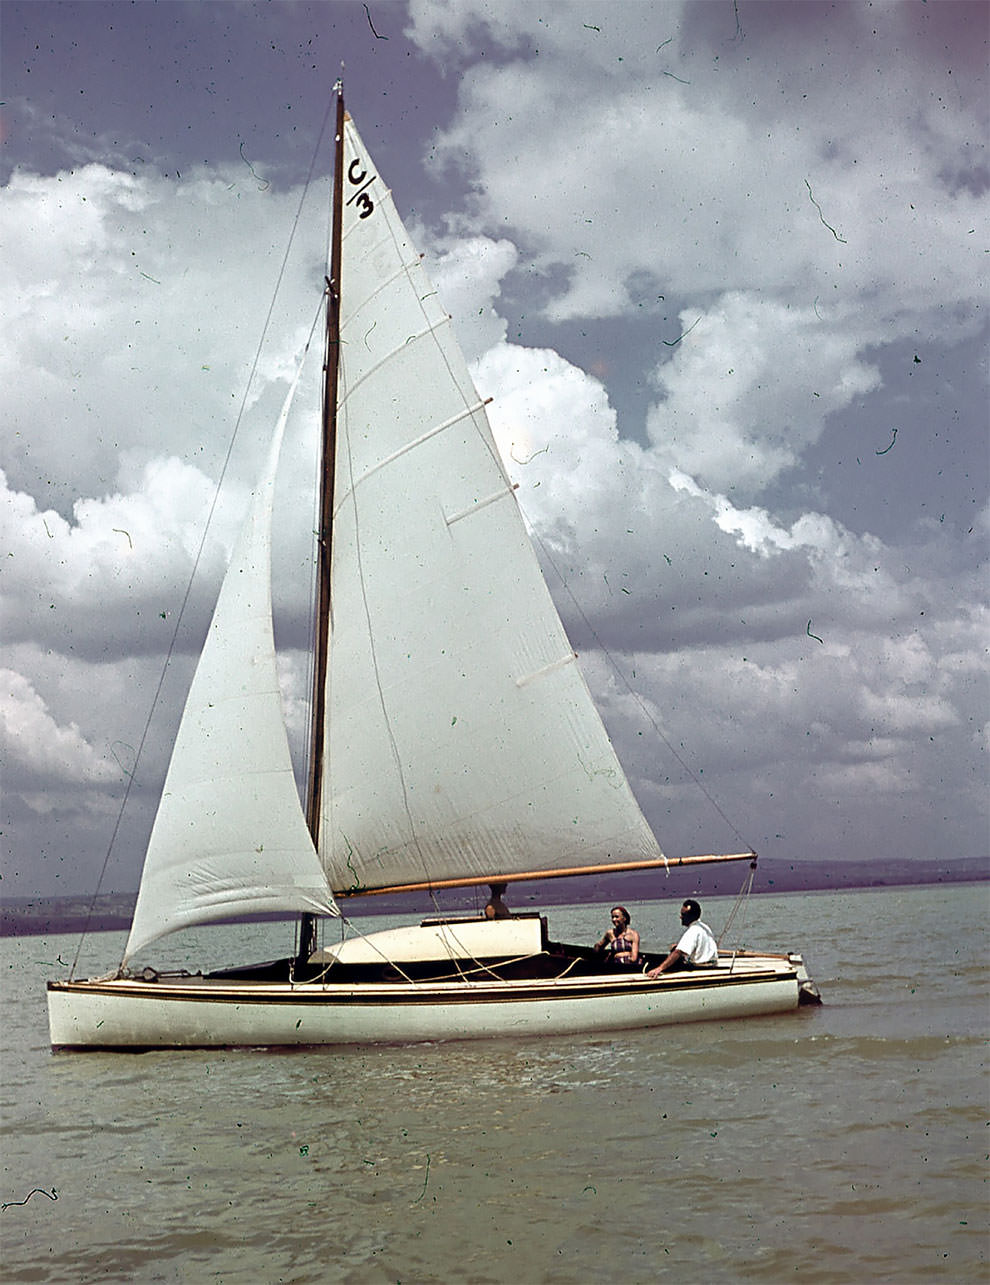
(367, 939)
(465, 973)
(456, 959)
(206, 529)
(403, 270)
(313, 622)
(635, 695)
(742, 897)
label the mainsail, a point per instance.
(230, 837)
(461, 739)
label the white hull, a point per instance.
(195, 1012)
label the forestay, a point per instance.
(461, 738)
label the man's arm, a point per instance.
(674, 956)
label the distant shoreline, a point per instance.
(111, 912)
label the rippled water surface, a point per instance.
(842, 1144)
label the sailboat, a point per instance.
(454, 742)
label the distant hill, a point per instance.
(40, 916)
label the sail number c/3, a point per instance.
(357, 175)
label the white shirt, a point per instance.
(699, 944)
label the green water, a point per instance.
(842, 1144)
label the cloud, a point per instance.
(686, 549)
(108, 581)
(36, 745)
(798, 659)
(105, 358)
(704, 271)
(755, 174)
(468, 274)
(750, 388)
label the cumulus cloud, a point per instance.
(106, 581)
(776, 221)
(39, 747)
(730, 416)
(468, 273)
(714, 163)
(816, 665)
(105, 360)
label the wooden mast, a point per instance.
(331, 364)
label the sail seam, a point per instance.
(411, 339)
(403, 271)
(411, 446)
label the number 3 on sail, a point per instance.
(448, 613)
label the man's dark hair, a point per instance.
(694, 909)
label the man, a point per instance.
(496, 908)
(697, 947)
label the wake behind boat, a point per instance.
(453, 742)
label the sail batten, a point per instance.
(503, 493)
(554, 665)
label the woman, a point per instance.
(620, 941)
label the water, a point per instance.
(842, 1144)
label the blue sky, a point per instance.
(722, 268)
